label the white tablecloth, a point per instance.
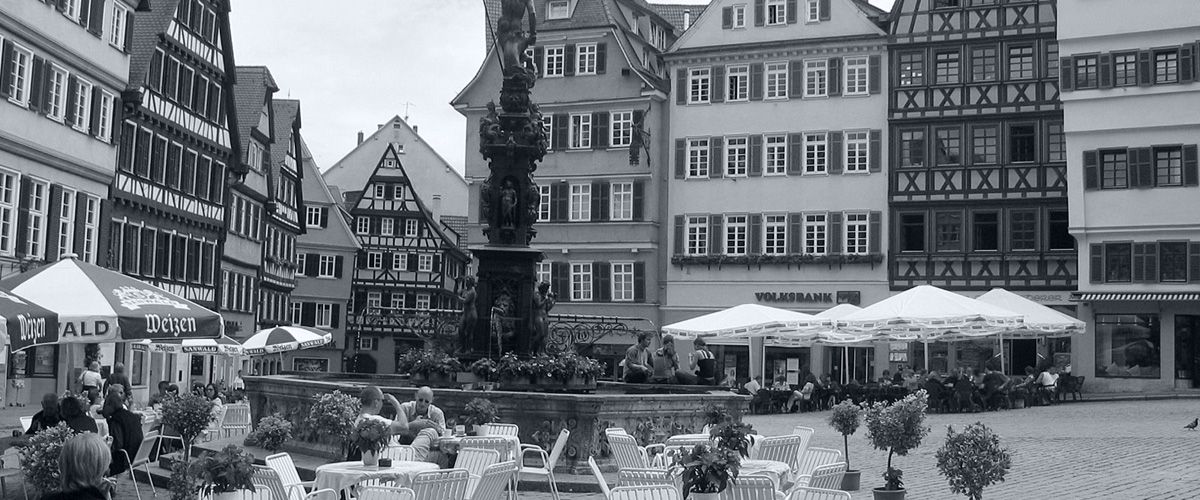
(341, 475)
(779, 472)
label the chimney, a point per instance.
(687, 19)
(415, 129)
(360, 137)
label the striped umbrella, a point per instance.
(221, 345)
(94, 304)
(285, 338)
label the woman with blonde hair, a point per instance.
(82, 464)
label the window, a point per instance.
(856, 234)
(301, 261)
(554, 65)
(70, 8)
(815, 157)
(366, 343)
(56, 99)
(949, 145)
(1118, 262)
(35, 231)
(543, 271)
(697, 235)
(557, 9)
(1059, 237)
(1125, 69)
(400, 262)
(1020, 63)
(735, 235)
(1052, 60)
(912, 148)
(312, 216)
(425, 263)
(104, 121)
(814, 10)
(985, 144)
(380, 191)
(8, 211)
(548, 128)
(327, 266)
(983, 64)
(1022, 143)
(116, 31)
(374, 301)
(697, 151)
(947, 231)
(698, 85)
(857, 69)
(386, 225)
(946, 68)
(543, 203)
(1166, 67)
(374, 260)
(774, 234)
(776, 154)
(397, 191)
(91, 230)
(857, 151)
(912, 232)
(622, 282)
(737, 84)
(1056, 142)
(815, 78)
(1022, 229)
(585, 59)
(1128, 346)
(621, 201)
(363, 225)
(66, 222)
(776, 12)
(912, 69)
(581, 131)
(816, 232)
(1168, 166)
(1172, 261)
(621, 129)
(1086, 72)
(945, 4)
(581, 281)
(412, 228)
(735, 156)
(423, 301)
(739, 16)
(581, 203)
(82, 105)
(1114, 169)
(986, 227)
(776, 80)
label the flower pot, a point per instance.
(704, 496)
(851, 480)
(578, 383)
(467, 378)
(370, 459)
(882, 494)
(1019, 403)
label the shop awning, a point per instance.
(1134, 297)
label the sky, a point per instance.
(355, 64)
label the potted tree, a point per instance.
(370, 437)
(845, 419)
(972, 460)
(331, 420)
(189, 415)
(706, 471)
(226, 473)
(270, 433)
(478, 413)
(896, 428)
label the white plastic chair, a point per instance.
(750, 488)
(784, 449)
(599, 477)
(142, 458)
(548, 461)
(445, 484)
(655, 492)
(803, 493)
(283, 466)
(644, 477)
(500, 444)
(399, 453)
(813, 458)
(495, 478)
(828, 477)
(237, 419)
(608, 431)
(475, 461)
(214, 427)
(501, 430)
(10, 466)
(627, 453)
(268, 477)
(806, 434)
(385, 493)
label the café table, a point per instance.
(340, 476)
(779, 472)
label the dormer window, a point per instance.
(558, 9)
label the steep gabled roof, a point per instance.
(287, 114)
(317, 193)
(148, 29)
(434, 222)
(250, 95)
(673, 12)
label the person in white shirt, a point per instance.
(426, 422)
(372, 403)
(90, 378)
(238, 383)
(754, 385)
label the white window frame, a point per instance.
(579, 135)
(425, 263)
(775, 13)
(543, 203)
(622, 282)
(558, 9)
(698, 161)
(362, 225)
(91, 229)
(620, 201)
(737, 156)
(380, 191)
(423, 301)
(57, 99)
(412, 228)
(22, 67)
(397, 191)
(557, 55)
(699, 86)
(585, 59)
(544, 270)
(387, 226)
(312, 217)
(326, 266)
(816, 78)
(375, 260)
(375, 300)
(813, 7)
(581, 202)
(816, 233)
(581, 281)
(856, 75)
(118, 25)
(816, 153)
(296, 308)
(738, 16)
(736, 235)
(737, 83)
(10, 192)
(71, 10)
(856, 152)
(775, 154)
(104, 121)
(301, 262)
(775, 225)
(856, 233)
(620, 128)
(400, 262)
(66, 222)
(38, 209)
(696, 233)
(548, 128)
(775, 80)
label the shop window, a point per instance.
(1128, 346)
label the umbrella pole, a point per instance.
(1002, 365)
(845, 365)
(926, 343)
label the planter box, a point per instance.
(521, 384)
(433, 380)
(468, 378)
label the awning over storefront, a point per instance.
(1134, 297)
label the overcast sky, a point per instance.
(355, 64)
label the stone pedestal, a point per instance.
(504, 307)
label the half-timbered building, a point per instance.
(283, 224)
(978, 158)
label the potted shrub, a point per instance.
(896, 428)
(477, 413)
(845, 419)
(429, 367)
(226, 473)
(580, 371)
(733, 436)
(189, 415)
(270, 433)
(706, 471)
(972, 460)
(370, 436)
(331, 419)
(39, 458)
(482, 370)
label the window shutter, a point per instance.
(1150, 251)
(791, 11)
(639, 281)
(1066, 73)
(1096, 273)
(835, 233)
(569, 61)
(873, 74)
(560, 198)
(1091, 169)
(387, 260)
(795, 154)
(600, 130)
(760, 11)
(715, 238)
(727, 18)
(716, 166)
(754, 157)
(680, 247)
(835, 76)
(1194, 262)
(308, 313)
(324, 217)
(1145, 68)
(560, 280)
(560, 122)
(37, 82)
(601, 58)
(437, 264)
(1104, 71)
(834, 155)
(875, 232)
(360, 259)
(602, 281)
(756, 82)
(95, 20)
(1191, 175)
(875, 153)
(5, 67)
(1139, 263)
(69, 114)
(128, 45)
(1145, 166)
(756, 237)
(376, 225)
(796, 79)
(413, 259)
(680, 158)
(51, 222)
(311, 264)
(795, 234)
(824, 7)
(539, 60)
(81, 200)
(639, 200)
(1187, 63)
(335, 319)
(718, 84)
(599, 208)
(94, 125)
(23, 216)
(680, 87)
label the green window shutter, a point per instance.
(756, 236)
(756, 81)
(680, 87)
(760, 12)
(795, 154)
(599, 208)
(716, 165)
(835, 76)
(36, 85)
(639, 200)
(1187, 62)
(560, 123)
(796, 78)
(602, 281)
(600, 130)
(824, 7)
(680, 246)
(1191, 176)
(51, 222)
(1096, 255)
(1104, 70)
(1091, 169)
(718, 84)
(873, 74)
(639, 281)
(601, 58)
(715, 237)
(795, 234)
(336, 318)
(1145, 67)
(1066, 73)
(876, 151)
(1194, 262)
(569, 61)
(875, 232)
(754, 156)
(680, 158)
(6, 63)
(1141, 163)
(791, 11)
(727, 18)
(835, 233)
(560, 280)
(835, 154)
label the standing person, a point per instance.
(637, 360)
(119, 379)
(372, 403)
(426, 422)
(48, 417)
(90, 378)
(238, 383)
(82, 463)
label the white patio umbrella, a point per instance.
(222, 345)
(1040, 321)
(927, 312)
(747, 320)
(285, 338)
(835, 337)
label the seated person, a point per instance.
(666, 365)
(703, 362)
(76, 417)
(1047, 384)
(803, 396)
(637, 360)
(426, 423)
(994, 384)
(372, 403)
(754, 385)
(48, 417)
(162, 395)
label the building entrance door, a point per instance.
(1187, 349)
(1021, 353)
(851, 362)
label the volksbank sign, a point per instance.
(810, 297)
